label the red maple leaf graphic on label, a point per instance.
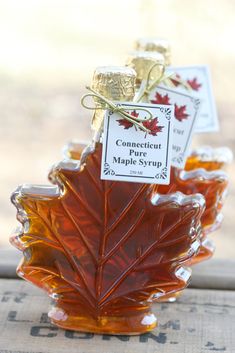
(153, 126)
(160, 99)
(180, 113)
(194, 84)
(127, 124)
(174, 81)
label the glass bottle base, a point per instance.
(119, 325)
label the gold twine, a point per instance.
(121, 109)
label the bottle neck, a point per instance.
(98, 120)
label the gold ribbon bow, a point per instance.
(148, 86)
(121, 109)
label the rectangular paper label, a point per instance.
(186, 113)
(130, 154)
(199, 78)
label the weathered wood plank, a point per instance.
(211, 274)
(214, 274)
(200, 321)
(9, 259)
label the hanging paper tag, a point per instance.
(186, 113)
(199, 79)
(131, 154)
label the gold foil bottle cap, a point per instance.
(116, 83)
(155, 44)
(142, 62)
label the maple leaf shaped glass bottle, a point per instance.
(206, 178)
(103, 249)
(201, 173)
